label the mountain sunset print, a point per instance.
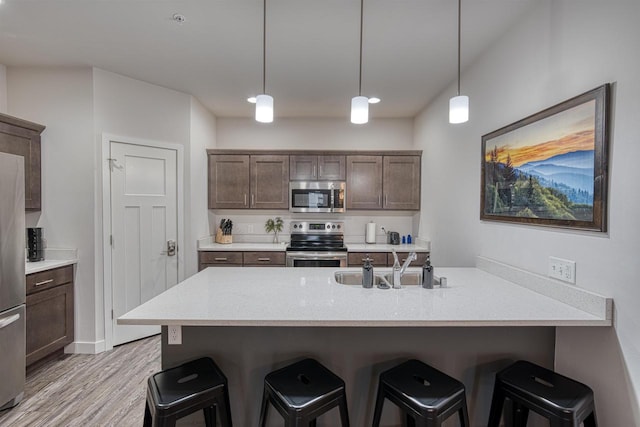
(544, 169)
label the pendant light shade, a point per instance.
(359, 110)
(459, 109)
(264, 108)
(459, 105)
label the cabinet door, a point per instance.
(401, 182)
(364, 182)
(378, 259)
(22, 138)
(331, 168)
(255, 259)
(228, 181)
(303, 168)
(270, 182)
(49, 321)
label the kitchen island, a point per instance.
(254, 320)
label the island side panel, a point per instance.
(358, 355)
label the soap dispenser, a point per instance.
(427, 274)
(367, 273)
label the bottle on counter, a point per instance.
(408, 239)
(427, 274)
(367, 273)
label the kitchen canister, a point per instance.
(370, 233)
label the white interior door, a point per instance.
(144, 227)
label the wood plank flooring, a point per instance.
(106, 389)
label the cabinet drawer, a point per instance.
(402, 256)
(49, 321)
(37, 282)
(378, 259)
(252, 259)
(218, 258)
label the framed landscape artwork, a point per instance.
(550, 168)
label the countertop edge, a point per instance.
(40, 266)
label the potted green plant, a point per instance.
(274, 225)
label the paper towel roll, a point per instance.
(370, 233)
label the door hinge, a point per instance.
(111, 314)
(111, 239)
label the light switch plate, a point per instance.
(562, 269)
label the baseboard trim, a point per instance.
(85, 347)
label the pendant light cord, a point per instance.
(264, 45)
(459, 20)
(361, 25)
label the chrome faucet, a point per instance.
(398, 271)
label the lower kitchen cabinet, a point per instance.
(385, 259)
(50, 319)
(268, 259)
(219, 259)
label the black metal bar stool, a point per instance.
(563, 401)
(180, 391)
(303, 391)
(425, 395)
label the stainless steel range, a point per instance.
(317, 244)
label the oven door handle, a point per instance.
(316, 255)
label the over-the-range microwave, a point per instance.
(317, 196)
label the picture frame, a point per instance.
(551, 168)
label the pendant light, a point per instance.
(459, 105)
(360, 104)
(264, 102)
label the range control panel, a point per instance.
(316, 227)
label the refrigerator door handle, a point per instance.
(9, 320)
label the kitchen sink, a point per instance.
(409, 278)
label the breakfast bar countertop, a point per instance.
(280, 296)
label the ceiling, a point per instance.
(409, 47)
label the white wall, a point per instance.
(3, 89)
(561, 49)
(132, 108)
(203, 136)
(315, 134)
(61, 99)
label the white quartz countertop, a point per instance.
(352, 247)
(259, 296)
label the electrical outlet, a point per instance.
(562, 269)
(175, 334)
(249, 228)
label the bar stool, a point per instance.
(180, 391)
(563, 401)
(425, 395)
(303, 391)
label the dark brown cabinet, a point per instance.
(364, 182)
(383, 182)
(240, 258)
(401, 182)
(317, 168)
(50, 320)
(385, 259)
(242, 181)
(269, 181)
(22, 138)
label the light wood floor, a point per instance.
(106, 389)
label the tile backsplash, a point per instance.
(249, 227)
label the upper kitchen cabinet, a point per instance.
(22, 138)
(317, 168)
(401, 182)
(243, 181)
(383, 182)
(270, 181)
(364, 182)
(228, 181)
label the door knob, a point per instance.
(171, 248)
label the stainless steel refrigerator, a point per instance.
(12, 280)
